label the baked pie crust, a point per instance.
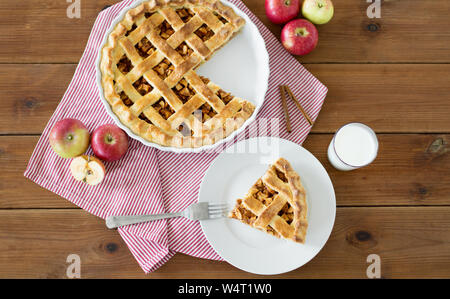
(276, 203)
(148, 76)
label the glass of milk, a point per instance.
(353, 146)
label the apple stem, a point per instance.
(109, 138)
(320, 5)
(301, 32)
(69, 137)
(287, 2)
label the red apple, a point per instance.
(282, 11)
(299, 37)
(109, 142)
(69, 138)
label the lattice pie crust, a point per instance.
(276, 204)
(148, 75)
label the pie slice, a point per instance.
(148, 72)
(276, 203)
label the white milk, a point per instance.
(353, 146)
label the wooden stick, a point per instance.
(286, 112)
(297, 103)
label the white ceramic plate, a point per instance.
(230, 176)
(244, 71)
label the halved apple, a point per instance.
(87, 169)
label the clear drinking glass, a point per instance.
(353, 146)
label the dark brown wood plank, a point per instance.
(16, 191)
(40, 31)
(30, 94)
(411, 169)
(351, 36)
(29, 36)
(389, 98)
(411, 242)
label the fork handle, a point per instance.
(116, 221)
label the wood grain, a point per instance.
(389, 98)
(412, 242)
(390, 73)
(40, 31)
(411, 169)
(30, 94)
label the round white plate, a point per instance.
(232, 174)
(241, 67)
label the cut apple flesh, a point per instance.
(87, 169)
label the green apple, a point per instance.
(318, 11)
(69, 138)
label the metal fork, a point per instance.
(196, 211)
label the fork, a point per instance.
(196, 211)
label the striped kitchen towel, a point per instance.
(150, 181)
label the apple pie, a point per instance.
(148, 72)
(276, 204)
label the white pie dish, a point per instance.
(244, 73)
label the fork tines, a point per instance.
(217, 210)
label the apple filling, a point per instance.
(164, 68)
(124, 65)
(281, 175)
(125, 99)
(204, 32)
(184, 50)
(163, 108)
(265, 195)
(222, 19)
(183, 90)
(145, 48)
(185, 14)
(207, 112)
(165, 30)
(142, 86)
(133, 27)
(144, 118)
(148, 14)
(226, 97)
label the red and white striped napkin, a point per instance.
(150, 181)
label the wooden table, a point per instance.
(391, 73)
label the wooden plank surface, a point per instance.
(411, 169)
(391, 73)
(387, 97)
(35, 30)
(411, 242)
